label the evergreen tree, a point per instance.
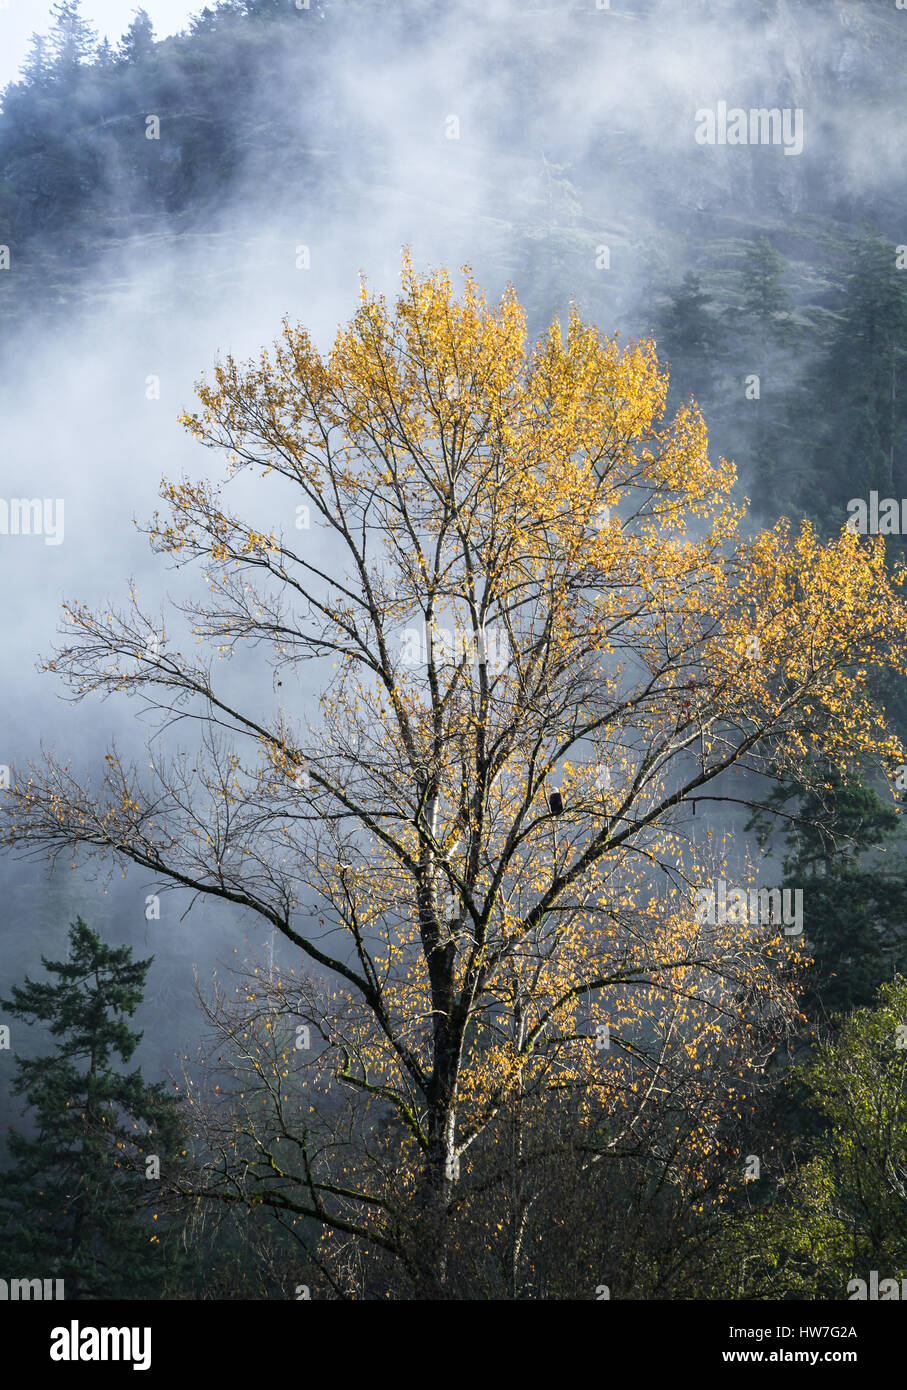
(859, 390)
(77, 1202)
(271, 9)
(688, 326)
(137, 44)
(72, 39)
(689, 334)
(38, 67)
(873, 340)
(203, 22)
(208, 20)
(841, 852)
(105, 58)
(765, 333)
(766, 303)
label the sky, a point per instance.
(19, 19)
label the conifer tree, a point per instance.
(688, 326)
(79, 1199)
(137, 44)
(841, 851)
(766, 303)
(36, 69)
(72, 39)
(105, 58)
(859, 391)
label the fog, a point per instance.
(520, 140)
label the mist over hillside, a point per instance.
(295, 148)
(169, 200)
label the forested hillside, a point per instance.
(743, 263)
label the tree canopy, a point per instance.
(543, 633)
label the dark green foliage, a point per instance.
(73, 151)
(856, 396)
(77, 1201)
(688, 328)
(840, 1212)
(766, 303)
(841, 850)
